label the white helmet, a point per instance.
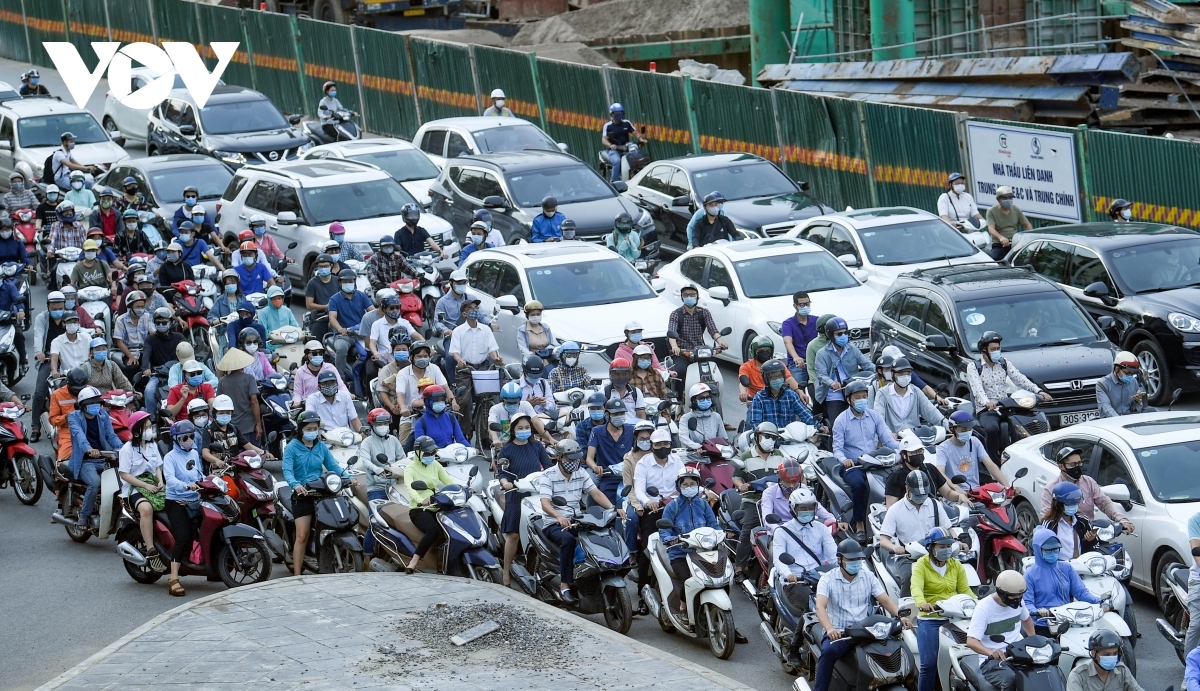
(697, 389)
(803, 496)
(909, 441)
(197, 209)
(893, 352)
(497, 93)
(222, 402)
(458, 275)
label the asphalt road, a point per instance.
(64, 601)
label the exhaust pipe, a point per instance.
(57, 517)
(768, 634)
(650, 598)
(383, 565)
(751, 591)
(1169, 632)
(131, 554)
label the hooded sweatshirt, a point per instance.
(1051, 585)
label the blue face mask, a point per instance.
(964, 437)
(198, 219)
(704, 403)
(689, 302)
(324, 271)
(776, 384)
(439, 406)
(309, 435)
(690, 491)
(1108, 662)
(260, 230)
(460, 288)
(93, 409)
(401, 356)
(224, 418)
(644, 363)
(100, 355)
(339, 239)
(860, 405)
(249, 261)
(994, 354)
(347, 287)
(335, 258)
(428, 458)
(1071, 510)
(1126, 378)
(596, 415)
(57, 314)
(806, 517)
(524, 434)
(185, 238)
(617, 420)
(317, 360)
(1050, 555)
(70, 304)
(231, 288)
(512, 408)
(333, 93)
(854, 566)
(841, 340)
(804, 311)
(190, 201)
(196, 380)
(635, 337)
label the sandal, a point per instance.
(174, 588)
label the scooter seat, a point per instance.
(763, 540)
(970, 667)
(285, 499)
(1180, 576)
(833, 468)
(392, 514)
(360, 491)
(161, 517)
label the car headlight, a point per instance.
(645, 221)
(232, 157)
(777, 327)
(746, 233)
(1040, 655)
(1184, 322)
(333, 483)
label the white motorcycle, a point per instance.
(67, 258)
(1073, 625)
(97, 302)
(206, 281)
(286, 340)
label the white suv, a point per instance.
(300, 199)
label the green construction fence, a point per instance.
(822, 142)
(221, 24)
(46, 20)
(512, 72)
(275, 60)
(175, 20)
(326, 59)
(576, 101)
(722, 126)
(658, 103)
(445, 79)
(1158, 175)
(911, 170)
(13, 45)
(389, 103)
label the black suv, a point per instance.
(936, 316)
(1140, 281)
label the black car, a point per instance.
(512, 186)
(936, 317)
(1142, 280)
(161, 179)
(760, 198)
(236, 125)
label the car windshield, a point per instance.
(402, 164)
(354, 201)
(1027, 321)
(519, 138)
(210, 180)
(1159, 266)
(568, 184)
(581, 284)
(913, 243)
(743, 181)
(241, 116)
(46, 130)
(1166, 470)
(784, 274)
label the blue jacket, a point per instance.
(79, 441)
(302, 464)
(471, 249)
(235, 328)
(13, 249)
(548, 228)
(686, 514)
(442, 427)
(583, 431)
(1051, 585)
(9, 296)
(851, 359)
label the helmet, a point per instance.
(568, 224)
(773, 367)
(697, 389)
(533, 305)
(533, 364)
(181, 428)
(420, 345)
(511, 391)
(619, 363)
(77, 378)
(222, 402)
(893, 352)
(327, 85)
(332, 247)
(988, 338)
(856, 386)
(325, 376)
(644, 426)
(163, 313)
(247, 334)
(766, 427)
(917, 483)
(91, 244)
(938, 536)
(1126, 359)
(850, 549)
(336, 228)
(549, 203)
(65, 211)
(129, 213)
(57, 296)
(1067, 493)
(134, 296)
(248, 246)
(596, 400)
(803, 496)
(659, 435)
(643, 349)
(245, 235)
(790, 472)
(963, 418)
(833, 326)
(347, 274)
(32, 74)
(379, 416)
(569, 347)
(954, 176)
(713, 196)
(482, 215)
(410, 212)
(308, 416)
(196, 405)
(1103, 639)
(885, 361)
(88, 394)
(257, 220)
(623, 222)
(101, 192)
(399, 336)
(1010, 582)
(198, 209)
(686, 472)
(1118, 205)
(497, 93)
(192, 189)
(425, 444)
(614, 405)
(66, 136)
(129, 180)
(616, 108)
(901, 364)
(434, 391)
(1004, 191)
(909, 441)
(762, 343)
(75, 174)
(569, 449)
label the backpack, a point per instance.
(979, 366)
(48, 170)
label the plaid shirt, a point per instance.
(349, 251)
(552, 484)
(563, 378)
(650, 382)
(779, 411)
(993, 382)
(62, 235)
(849, 601)
(382, 268)
(691, 327)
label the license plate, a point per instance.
(1076, 418)
(415, 12)
(862, 344)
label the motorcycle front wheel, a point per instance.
(720, 630)
(142, 574)
(26, 480)
(253, 556)
(335, 558)
(618, 610)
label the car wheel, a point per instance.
(330, 11)
(1153, 365)
(747, 354)
(113, 131)
(151, 150)
(1167, 603)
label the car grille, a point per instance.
(859, 334)
(777, 229)
(275, 156)
(1070, 397)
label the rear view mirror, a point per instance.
(419, 485)
(495, 201)
(804, 186)
(5, 145)
(664, 524)
(848, 260)
(958, 479)
(508, 302)
(681, 201)
(293, 119)
(496, 427)
(382, 458)
(286, 218)
(187, 130)
(720, 293)
(558, 501)
(1099, 291)
(1021, 473)
(710, 483)
(562, 147)
(474, 471)
(744, 380)
(787, 559)
(652, 491)
(621, 186)
(726, 331)
(1118, 493)
(658, 285)
(626, 490)
(774, 519)
(673, 334)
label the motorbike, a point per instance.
(1073, 624)
(116, 403)
(1172, 598)
(466, 536)
(1035, 660)
(97, 302)
(880, 659)
(286, 340)
(715, 462)
(634, 158)
(430, 284)
(9, 361)
(250, 486)
(976, 236)
(997, 526)
(333, 546)
(343, 125)
(274, 402)
(207, 283)
(15, 275)
(1019, 418)
(703, 368)
(19, 465)
(224, 548)
(832, 491)
(150, 228)
(411, 307)
(356, 355)
(67, 258)
(189, 306)
(25, 227)
(69, 492)
(782, 606)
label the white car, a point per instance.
(407, 164)
(122, 122)
(589, 294)
(1149, 462)
(748, 286)
(886, 242)
(31, 130)
(453, 137)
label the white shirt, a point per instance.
(994, 619)
(406, 382)
(907, 523)
(472, 344)
(957, 207)
(494, 238)
(816, 536)
(903, 402)
(381, 328)
(72, 353)
(137, 460)
(1068, 539)
(650, 473)
(497, 413)
(333, 415)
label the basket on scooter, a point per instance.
(486, 381)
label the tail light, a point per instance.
(218, 207)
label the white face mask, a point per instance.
(72, 328)
(570, 361)
(959, 189)
(536, 319)
(903, 380)
(148, 434)
(251, 348)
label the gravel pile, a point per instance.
(634, 17)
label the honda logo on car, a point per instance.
(173, 58)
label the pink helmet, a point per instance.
(336, 228)
(137, 417)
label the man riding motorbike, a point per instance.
(1118, 392)
(91, 433)
(709, 424)
(711, 225)
(1070, 466)
(615, 137)
(901, 404)
(1051, 582)
(658, 469)
(837, 362)
(811, 545)
(856, 432)
(912, 455)
(999, 619)
(910, 520)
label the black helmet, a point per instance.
(1118, 205)
(533, 365)
(713, 196)
(398, 336)
(77, 378)
(917, 483)
(623, 222)
(773, 367)
(988, 338)
(856, 386)
(1103, 639)
(614, 405)
(425, 444)
(246, 334)
(410, 212)
(307, 417)
(850, 549)
(347, 274)
(901, 363)
(549, 203)
(192, 189)
(834, 325)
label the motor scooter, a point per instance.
(715, 462)
(115, 403)
(286, 341)
(464, 551)
(703, 368)
(206, 282)
(411, 308)
(189, 307)
(880, 659)
(635, 156)
(1035, 660)
(67, 258)
(251, 487)
(10, 363)
(18, 460)
(14, 274)
(1019, 418)
(343, 125)
(430, 289)
(1073, 624)
(333, 546)
(97, 302)
(834, 493)
(274, 403)
(25, 229)
(69, 492)
(782, 606)
(1172, 600)
(997, 526)
(343, 444)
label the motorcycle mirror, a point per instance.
(773, 518)
(1174, 397)
(1062, 628)
(996, 638)
(1021, 473)
(272, 437)
(744, 380)
(652, 491)
(474, 471)
(958, 479)
(673, 334)
(382, 458)
(419, 485)
(352, 461)
(558, 501)
(710, 483)
(496, 427)
(692, 424)
(726, 331)
(787, 559)
(293, 245)
(625, 491)
(664, 524)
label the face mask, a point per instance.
(596, 415)
(1006, 204)
(619, 382)
(860, 405)
(1050, 555)
(198, 219)
(72, 328)
(324, 271)
(195, 380)
(100, 355)
(329, 390)
(248, 261)
(536, 319)
(339, 239)
(853, 566)
(477, 240)
(523, 434)
(994, 355)
(131, 227)
(903, 380)
(568, 234)
(643, 444)
(775, 384)
(317, 360)
(224, 418)
(766, 444)
(439, 406)
(387, 249)
(161, 328)
(887, 375)
(56, 314)
(89, 255)
(689, 302)
(690, 491)
(201, 422)
(643, 363)
(260, 230)
(251, 348)
(185, 238)
(1126, 214)
(842, 340)
(428, 459)
(917, 499)
(160, 255)
(1071, 510)
(52, 197)
(570, 361)
(704, 403)
(569, 467)
(617, 420)
(964, 437)
(190, 201)
(187, 445)
(148, 434)
(1011, 602)
(804, 311)
(76, 185)
(662, 453)
(381, 430)
(333, 93)
(131, 191)
(635, 337)
(18, 186)
(310, 435)
(393, 314)
(711, 210)
(138, 311)
(549, 213)
(70, 304)
(499, 103)
(806, 517)
(1074, 473)
(460, 288)
(915, 460)
(230, 288)
(106, 204)
(401, 356)
(474, 315)
(959, 189)
(1125, 378)
(93, 409)
(1108, 662)
(335, 258)
(6, 234)
(421, 362)
(347, 287)
(942, 554)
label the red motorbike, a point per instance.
(190, 307)
(995, 521)
(715, 462)
(26, 229)
(19, 466)
(411, 307)
(252, 488)
(115, 403)
(234, 552)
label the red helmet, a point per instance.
(432, 391)
(379, 415)
(245, 235)
(248, 246)
(790, 472)
(620, 363)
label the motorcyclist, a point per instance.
(245, 320)
(841, 603)
(386, 266)
(43, 214)
(131, 239)
(535, 388)
(956, 205)
(191, 197)
(1120, 211)
(988, 380)
(711, 224)
(224, 437)
(1051, 582)
(412, 238)
(105, 216)
(776, 403)
(547, 227)
(634, 334)
(620, 374)
(78, 194)
(568, 229)
(91, 433)
(837, 363)
(1107, 670)
(47, 325)
(595, 417)
(226, 303)
(423, 466)
(1074, 532)
(337, 233)
(437, 421)
(63, 164)
(333, 404)
(182, 469)
(608, 445)
(763, 349)
(132, 197)
(811, 544)
(901, 404)
(690, 322)
(624, 240)
(304, 380)
(534, 335)
(19, 195)
(999, 619)
(493, 237)
(708, 425)
(645, 378)
(1070, 469)
(306, 458)
(158, 350)
(856, 432)
(174, 269)
(511, 405)
(253, 275)
(266, 243)
(346, 310)
(250, 340)
(790, 476)
(276, 314)
(907, 521)
(1118, 392)
(936, 576)
(381, 441)
(963, 454)
(103, 373)
(67, 350)
(317, 293)
(569, 373)
(643, 431)
(327, 110)
(476, 235)
(448, 313)
(140, 469)
(912, 455)
(497, 109)
(31, 86)
(758, 461)
(615, 137)
(12, 246)
(566, 480)
(63, 401)
(90, 270)
(67, 230)
(522, 459)
(688, 510)
(195, 249)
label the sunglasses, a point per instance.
(185, 437)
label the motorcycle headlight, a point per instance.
(1106, 534)
(306, 146)
(1040, 655)
(810, 472)
(461, 455)
(708, 542)
(333, 483)
(291, 337)
(231, 157)
(220, 484)
(1096, 566)
(1083, 617)
(968, 608)
(1026, 400)
(998, 497)
(1184, 322)
(254, 462)
(880, 630)
(347, 438)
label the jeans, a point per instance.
(989, 425)
(151, 396)
(19, 339)
(632, 522)
(860, 492)
(834, 408)
(1193, 605)
(341, 350)
(614, 159)
(369, 538)
(41, 393)
(831, 652)
(800, 374)
(927, 644)
(89, 472)
(448, 365)
(745, 549)
(566, 541)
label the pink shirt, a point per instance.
(1093, 498)
(624, 351)
(305, 382)
(268, 246)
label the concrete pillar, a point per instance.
(892, 24)
(768, 25)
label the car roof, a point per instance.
(710, 160)
(171, 161)
(477, 123)
(221, 94)
(29, 107)
(759, 247)
(1148, 429)
(979, 279)
(515, 161)
(366, 146)
(8, 93)
(549, 253)
(316, 173)
(1110, 235)
(877, 216)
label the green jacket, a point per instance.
(930, 586)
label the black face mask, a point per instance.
(762, 355)
(915, 460)
(1012, 602)
(1074, 473)
(662, 453)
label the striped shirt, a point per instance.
(779, 411)
(552, 484)
(849, 601)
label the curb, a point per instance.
(536, 605)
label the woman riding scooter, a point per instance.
(1074, 531)
(141, 471)
(305, 459)
(688, 511)
(429, 471)
(709, 424)
(182, 470)
(1051, 582)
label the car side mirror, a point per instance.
(804, 186)
(787, 559)
(744, 380)
(293, 119)
(495, 201)
(848, 260)
(287, 218)
(938, 342)
(509, 303)
(419, 485)
(719, 293)
(621, 186)
(658, 285)
(5, 145)
(562, 147)
(558, 501)
(1100, 292)
(683, 200)
(1106, 322)
(1118, 493)
(187, 130)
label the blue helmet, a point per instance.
(616, 108)
(713, 196)
(483, 215)
(834, 325)
(181, 428)
(1067, 493)
(568, 347)
(938, 536)
(129, 180)
(510, 392)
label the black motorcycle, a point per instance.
(343, 125)
(333, 546)
(1034, 659)
(880, 661)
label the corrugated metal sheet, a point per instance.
(511, 71)
(176, 21)
(445, 85)
(275, 60)
(735, 118)
(46, 21)
(86, 23)
(823, 145)
(12, 31)
(658, 103)
(1085, 26)
(324, 46)
(911, 170)
(225, 24)
(1160, 176)
(390, 96)
(129, 20)
(1039, 92)
(937, 18)
(576, 105)
(1111, 68)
